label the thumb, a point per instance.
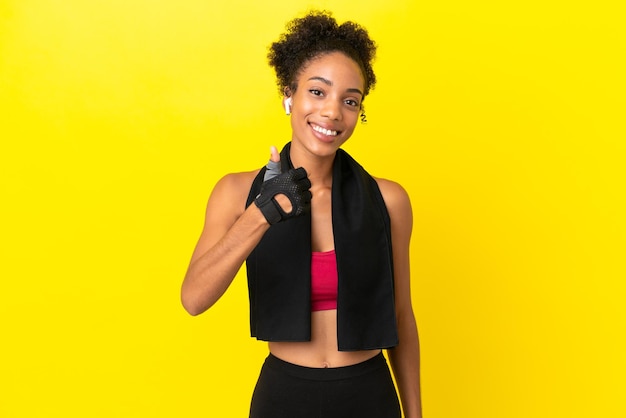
(274, 155)
(273, 165)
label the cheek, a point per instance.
(304, 106)
(350, 127)
(351, 119)
(350, 131)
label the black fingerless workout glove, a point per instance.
(295, 185)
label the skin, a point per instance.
(327, 98)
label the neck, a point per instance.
(319, 168)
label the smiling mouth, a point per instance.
(324, 131)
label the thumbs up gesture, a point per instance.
(293, 184)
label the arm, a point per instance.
(230, 233)
(405, 357)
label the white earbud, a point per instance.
(287, 103)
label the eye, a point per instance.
(316, 92)
(351, 102)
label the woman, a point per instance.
(326, 245)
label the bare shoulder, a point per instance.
(226, 204)
(231, 192)
(395, 196)
(235, 184)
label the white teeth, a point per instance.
(324, 131)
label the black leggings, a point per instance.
(286, 390)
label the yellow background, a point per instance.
(503, 120)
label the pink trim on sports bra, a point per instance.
(323, 281)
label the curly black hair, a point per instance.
(317, 34)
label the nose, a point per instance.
(331, 109)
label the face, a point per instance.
(326, 103)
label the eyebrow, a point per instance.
(330, 83)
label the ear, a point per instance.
(287, 101)
(287, 105)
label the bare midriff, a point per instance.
(322, 350)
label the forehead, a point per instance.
(333, 66)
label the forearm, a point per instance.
(209, 275)
(405, 362)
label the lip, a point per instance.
(321, 136)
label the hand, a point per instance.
(292, 184)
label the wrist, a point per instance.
(270, 210)
(254, 217)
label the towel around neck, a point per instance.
(279, 268)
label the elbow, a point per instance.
(191, 304)
(191, 310)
